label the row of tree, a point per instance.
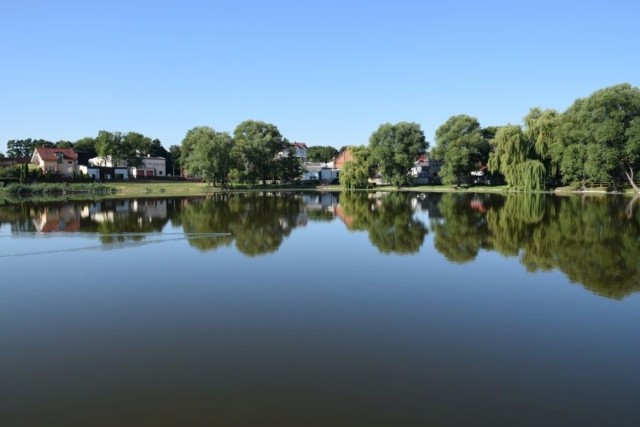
(256, 151)
(595, 141)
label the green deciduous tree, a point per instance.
(461, 147)
(572, 164)
(394, 148)
(156, 149)
(123, 149)
(24, 147)
(287, 166)
(136, 146)
(207, 153)
(174, 162)
(111, 145)
(256, 146)
(86, 145)
(321, 153)
(607, 122)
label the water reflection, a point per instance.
(388, 218)
(257, 224)
(594, 241)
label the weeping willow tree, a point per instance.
(542, 130)
(515, 157)
(356, 173)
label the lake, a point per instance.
(321, 309)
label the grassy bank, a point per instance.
(160, 188)
(195, 188)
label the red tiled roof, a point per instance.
(299, 145)
(49, 154)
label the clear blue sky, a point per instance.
(325, 72)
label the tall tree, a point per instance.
(461, 147)
(608, 122)
(257, 144)
(514, 157)
(395, 147)
(156, 149)
(175, 162)
(288, 167)
(355, 173)
(86, 145)
(123, 149)
(207, 153)
(24, 147)
(321, 153)
(110, 145)
(542, 130)
(136, 146)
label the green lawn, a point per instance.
(161, 188)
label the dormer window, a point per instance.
(59, 157)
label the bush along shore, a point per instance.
(58, 188)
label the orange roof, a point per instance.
(342, 158)
(49, 154)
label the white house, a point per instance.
(151, 166)
(105, 173)
(107, 162)
(319, 172)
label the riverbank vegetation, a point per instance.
(595, 142)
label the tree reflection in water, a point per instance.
(389, 220)
(258, 223)
(591, 239)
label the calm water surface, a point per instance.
(321, 309)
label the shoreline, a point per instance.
(185, 189)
